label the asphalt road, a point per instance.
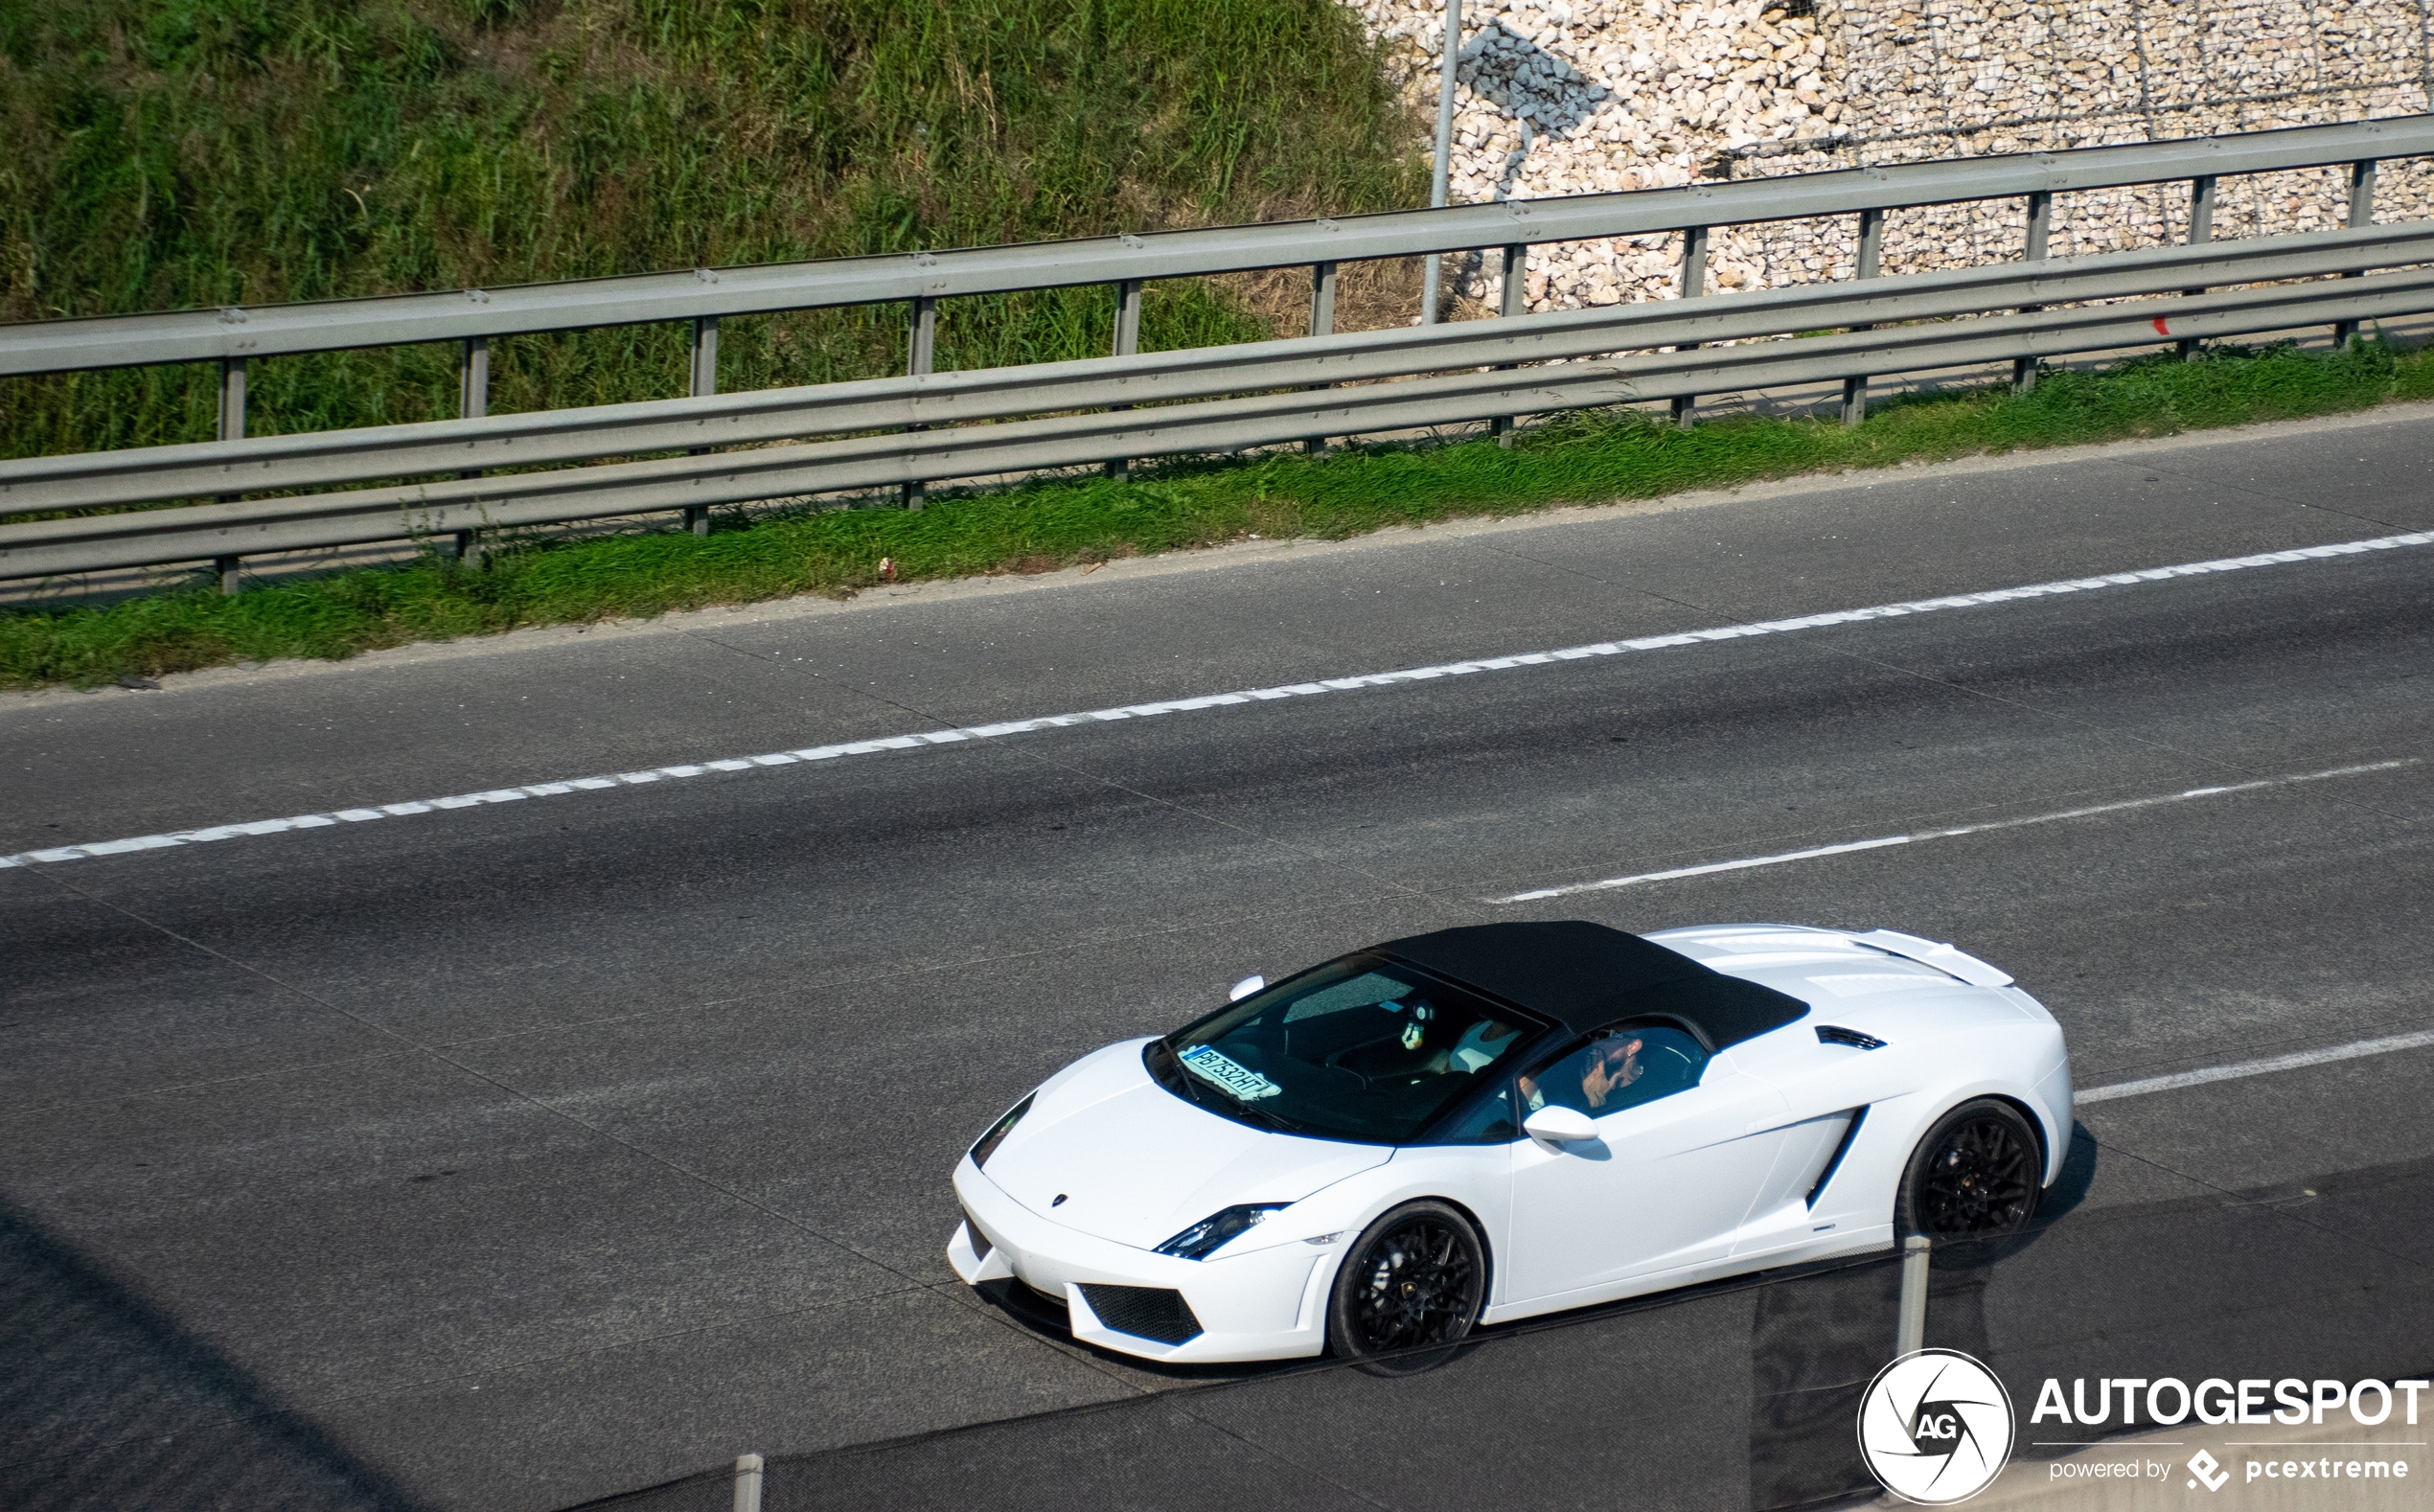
(515, 1153)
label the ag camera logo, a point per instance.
(1936, 1427)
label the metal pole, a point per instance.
(2201, 229)
(232, 427)
(2361, 214)
(701, 381)
(1452, 53)
(1128, 341)
(1909, 1333)
(922, 344)
(1871, 242)
(1321, 324)
(2040, 227)
(1513, 300)
(747, 1483)
(1694, 284)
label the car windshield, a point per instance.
(1363, 1049)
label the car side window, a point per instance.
(1617, 1068)
(1488, 1121)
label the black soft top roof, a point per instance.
(1585, 976)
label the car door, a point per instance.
(1682, 1151)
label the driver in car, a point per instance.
(1606, 1067)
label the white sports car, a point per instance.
(1491, 1122)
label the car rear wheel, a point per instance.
(1414, 1277)
(1974, 1176)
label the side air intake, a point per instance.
(1834, 1162)
(1144, 1312)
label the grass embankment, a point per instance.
(1581, 459)
(167, 153)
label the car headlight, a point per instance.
(998, 1132)
(1202, 1239)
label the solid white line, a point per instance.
(1210, 700)
(1846, 847)
(2292, 1062)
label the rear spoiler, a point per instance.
(1930, 952)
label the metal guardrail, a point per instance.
(1934, 335)
(1184, 385)
(709, 293)
(318, 459)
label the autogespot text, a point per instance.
(2169, 1403)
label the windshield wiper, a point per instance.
(1167, 1069)
(1250, 1113)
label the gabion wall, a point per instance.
(1562, 97)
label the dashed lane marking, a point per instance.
(2292, 1062)
(1294, 690)
(1848, 847)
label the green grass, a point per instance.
(1587, 458)
(169, 154)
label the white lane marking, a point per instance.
(1210, 700)
(1848, 846)
(2292, 1062)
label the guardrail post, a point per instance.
(1512, 300)
(232, 427)
(472, 402)
(703, 380)
(2040, 228)
(2361, 215)
(1872, 246)
(1321, 324)
(1694, 284)
(1909, 1331)
(921, 347)
(2201, 229)
(474, 380)
(747, 1483)
(1128, 343)
(232, 398)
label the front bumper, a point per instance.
(1269, 1304)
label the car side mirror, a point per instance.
(1245, 988)
(1560, 1125)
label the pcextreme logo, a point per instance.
(2208, 1471)
(1936, 1427)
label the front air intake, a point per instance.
(1144, 1312)
(981, 1246)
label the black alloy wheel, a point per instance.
(1974, 1176)
(1414, 1277)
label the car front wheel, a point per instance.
(1414, 1277)
(1974, 1176)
